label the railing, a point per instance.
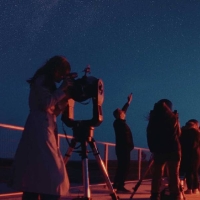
(138, 155)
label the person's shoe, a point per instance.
(123, 190)
(195, 191)
(188, 191)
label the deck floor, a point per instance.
(97, 192)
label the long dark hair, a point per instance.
(161, 109)
(48, 69)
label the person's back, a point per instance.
(190, 162)
(123, 135)
(163, 133)
(190, 142)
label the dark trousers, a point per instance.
(173, 173)
(190, 169)
(123, 164)
(192, 177)
(36, 196)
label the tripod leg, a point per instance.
(86, 185)
(140, 181)
(69, 151)
(103, 169)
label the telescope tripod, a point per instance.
(84, 143)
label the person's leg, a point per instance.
(117, 174)
(195, 181)
(189, 178)
(174, 181)
(124, 169)
(30, 196)
(49, 197)
(122, 165)
(158, 168)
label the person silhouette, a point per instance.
(124, 146)
(190, 161)
(38, 170)
(163, 132)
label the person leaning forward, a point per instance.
(124, 145)
(39, 170)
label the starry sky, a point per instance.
(148, 47)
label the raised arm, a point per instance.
(126, 105)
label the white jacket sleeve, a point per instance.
(45, 99)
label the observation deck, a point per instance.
(10, 136)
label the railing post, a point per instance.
(106, 156)
(58, 141)
(139, 163)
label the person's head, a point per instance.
(162, 108)
(55, 69)
(119, 114)
(165, 102)
(162, 105)
(192, 123)
(60, 67)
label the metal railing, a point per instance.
(139, 155)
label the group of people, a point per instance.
(39, 170)
(174, 147)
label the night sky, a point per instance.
(150, 48)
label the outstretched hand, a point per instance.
(130, 96)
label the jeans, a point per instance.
(123, 164)
(173, 165)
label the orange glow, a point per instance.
(12, 127)
(64, 136)
(10, 194)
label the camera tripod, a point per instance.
(84, 141)
(151, 161)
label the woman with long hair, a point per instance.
(38, 169)
(163, 133)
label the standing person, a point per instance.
(38, 169)
(163, 132)
(190, 162)
(124, 145)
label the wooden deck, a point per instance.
(98, 192)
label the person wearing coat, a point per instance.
(190, 162)
(38, 169)
(163, 132)
(124, 146)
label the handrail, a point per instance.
(106, 145)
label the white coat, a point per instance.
(38, 164)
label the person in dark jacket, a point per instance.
(124, 146)
(163, 132)
(190, 163)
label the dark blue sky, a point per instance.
(150, 48)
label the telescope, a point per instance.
(87, 87)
